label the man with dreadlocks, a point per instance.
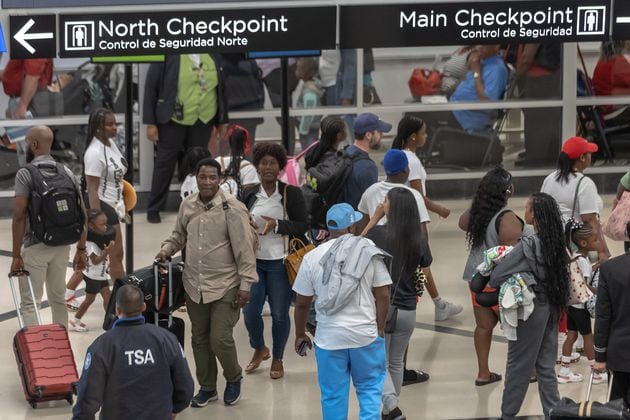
(543, 255)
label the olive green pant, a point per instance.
(212, 327)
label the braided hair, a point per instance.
(96, 122)
(330, 127)
(550, 231)
(490, 197)
(576, 232)
(407, 126)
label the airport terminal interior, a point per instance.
(391, 82)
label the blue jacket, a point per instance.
(134, 371)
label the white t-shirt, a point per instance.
(189, 186)
(355, 325)
(416, 170)
(588, 201)
(107, 164)
(375, 194)
(95, 271)
(271, 246)
(247, 172)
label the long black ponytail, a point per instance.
(407, 126)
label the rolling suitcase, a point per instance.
(162, 314)
(567, 409)
(147, 279)
(44, 356)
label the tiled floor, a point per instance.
(444, 349)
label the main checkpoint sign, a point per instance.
(489, 22)
(173, 32)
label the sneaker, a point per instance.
(73, 303)
(447, 311)
(414, 377)
(395, 414)
(77, 325)
(232, 392)
(599, 378)
(571, 377)
(203, 398)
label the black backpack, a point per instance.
(325, 182)
(54, 208)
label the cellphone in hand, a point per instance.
(302, 350)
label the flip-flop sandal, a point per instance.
(494, 377)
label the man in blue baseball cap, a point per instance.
(368, 132)
(351, 309)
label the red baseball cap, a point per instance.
(577, 146)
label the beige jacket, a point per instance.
(219, 245)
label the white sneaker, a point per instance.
(447, 311)
(77, 325)
(570, 378)
(599, 378)
(575, 357)
(73, 303)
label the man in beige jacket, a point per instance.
(220, 269)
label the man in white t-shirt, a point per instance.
(349, 340)
(397, 169)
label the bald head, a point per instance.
(39, 140)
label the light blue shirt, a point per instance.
(494, 75)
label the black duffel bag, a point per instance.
(567, 409)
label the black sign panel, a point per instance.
(22, 4)
(401, 25)
(621, 22)
(123, 34)
(33, 36)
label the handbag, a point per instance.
(296, 251)
(615, 226)
(46, 103)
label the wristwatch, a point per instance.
(476, 75)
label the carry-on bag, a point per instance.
(567, 409)
(147, 279)
(168, 321)
(43, 355)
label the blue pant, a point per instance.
(366, 366)
(273, 285)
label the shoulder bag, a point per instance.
(615, 226)
(297, 249)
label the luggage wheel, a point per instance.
(33, 403)
(39, 392)
(70, 399)
(75, 387)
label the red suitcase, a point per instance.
(44, 356)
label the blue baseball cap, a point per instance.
(395, 161)
(343, 216)
(367, 122)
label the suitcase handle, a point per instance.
(16, 301)
(156, 272)
(590, 385)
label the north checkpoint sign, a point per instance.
(405, 25)
(124, 34)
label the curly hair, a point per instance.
(270, 149)
(554, 249)
(407, 126)
(489, 198)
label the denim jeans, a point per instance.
(273, 285)
(365, 365)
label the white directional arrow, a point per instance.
(22, 37)
(623, 19)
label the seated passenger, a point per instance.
(485, 80)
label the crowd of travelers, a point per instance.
(356, 292)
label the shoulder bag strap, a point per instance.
(575, 196)
(284, 215)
